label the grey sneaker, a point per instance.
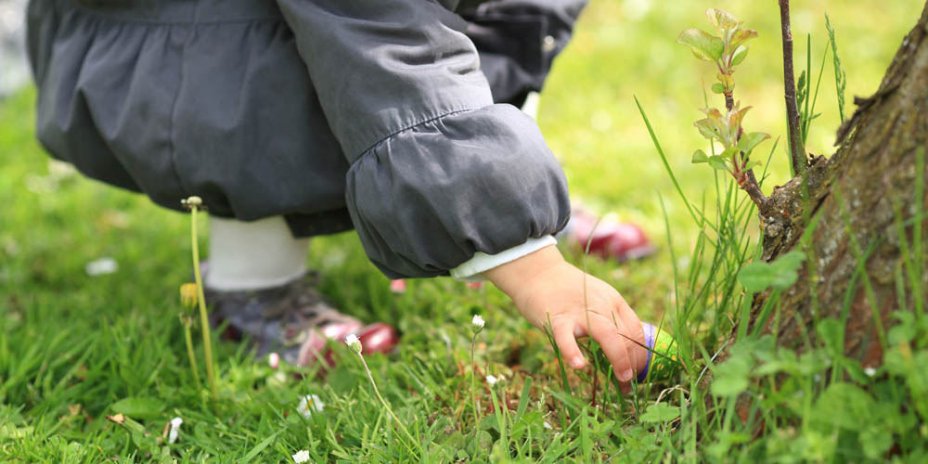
(293, 320)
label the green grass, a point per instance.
(74, 348)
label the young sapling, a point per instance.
(727, 50)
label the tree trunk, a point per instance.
(856, 200)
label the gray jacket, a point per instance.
(372, 114)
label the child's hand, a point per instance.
(545, 287)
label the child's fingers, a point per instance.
(566, 341)
(631, 333)
(614, 348)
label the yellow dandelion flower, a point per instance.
(188, 295)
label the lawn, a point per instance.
(76, 348)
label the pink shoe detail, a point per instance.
(608, 238)
(312, 349)
(398, 286)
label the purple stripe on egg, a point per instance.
(650, 333)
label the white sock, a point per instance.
(253, 255)
(530, 106)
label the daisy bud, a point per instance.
(478, 323)
(492, 379)
(192, 202)
(353, 342)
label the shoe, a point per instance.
(292, 320)
(607, 237)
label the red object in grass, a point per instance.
(475, 285)
(378, 338)
(375, 338)
(608, 238)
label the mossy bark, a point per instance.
(848, 211)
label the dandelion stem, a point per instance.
(201, 303)
(188, 339)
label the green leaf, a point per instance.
(254, 452)
(729, 153)
(738, 56)
(752, 164)
(660, 412)
(801, 88)
(718, 162)
(727, 80)
(722, 19)
(741, 36)
(780, 274)
(843, 405)
(704, 45)
(904, 331)
(731, 377)
(718, 88)
(736, 116)
(751, 140)
(707, 127)
(831, 333)
(876, 441)
(700, 156)
(139, 407)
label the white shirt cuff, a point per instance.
(471, 269)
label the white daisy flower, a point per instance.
(353, 342)
(492, 379)
(301, 456)
(870, 371)
(478, 322)
(547, 425)
(310, 404)
(175, 429)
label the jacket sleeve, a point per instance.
(518, 41)
(438, 172)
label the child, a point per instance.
(297, 118)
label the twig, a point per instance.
(797, 150)
(745, 178)
(749, 184)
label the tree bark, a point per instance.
(854, 201)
